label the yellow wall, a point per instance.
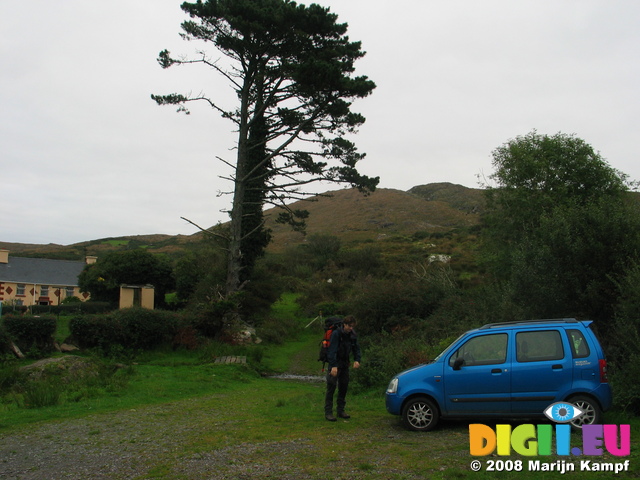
(33, 294)
(137, 296)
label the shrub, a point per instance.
(328, 309)
(382, 305)
(130, 328)
(72, 308)
(366, 260)
(143, 328)
(5, 341)
(277, 330)
(32, 334)
(10, 375)
(99, 331)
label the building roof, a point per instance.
(41, 271)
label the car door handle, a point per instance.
(556, 367)
(496, 370)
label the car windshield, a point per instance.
(448, 348)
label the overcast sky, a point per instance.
(86, 154)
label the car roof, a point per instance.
(535, 323)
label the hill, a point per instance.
(346, 214)
(351, 216)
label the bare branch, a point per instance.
(208, 232)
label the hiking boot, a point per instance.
(330, 417)
(344, 415)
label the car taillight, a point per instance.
(603, 371)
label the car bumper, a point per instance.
(393, 403)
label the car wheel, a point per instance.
(592, 412)
(420, 414)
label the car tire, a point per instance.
(592, 411)
(420, 414)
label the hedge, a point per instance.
(64, 309)
(31, 332)
(136, 328)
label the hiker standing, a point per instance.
(344, 342)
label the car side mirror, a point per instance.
(457, 365)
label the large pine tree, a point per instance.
(291, 67)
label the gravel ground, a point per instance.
(175, 441)
(124, 445)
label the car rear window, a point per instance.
(579, 345)
(539, 346)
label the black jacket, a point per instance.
(341, 346)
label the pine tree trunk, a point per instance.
(234, 260)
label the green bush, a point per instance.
(386, 355)
(328, 309)
(10, 375)
(5, 341)
(32, 334)
(101, 331)
(383, 305)
(209, 321)
(365, 260)
(72, 308)
(145, 328)
(130, 328)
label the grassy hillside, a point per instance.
(346, 214)
(351, 216)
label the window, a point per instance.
(482, 350)
(539, 346)
(69, 292)
(579, 345)
(20, 289)
(44, 291)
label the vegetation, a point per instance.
(559, 231)
(130, 267)
(32, 334)
(291, 68)
(544, 247)
(203, 409)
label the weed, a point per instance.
(39, 394)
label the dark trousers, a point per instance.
(341, 382)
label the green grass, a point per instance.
(164, 378)
(62, 331)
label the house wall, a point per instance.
(34, 294)
(137, 296)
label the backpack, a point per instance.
(330, 325)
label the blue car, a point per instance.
(507, 370)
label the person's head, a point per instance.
(348, 323)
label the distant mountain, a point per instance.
(351, 216)
(346, 214)
(468, 200)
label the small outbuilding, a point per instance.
(137, 296)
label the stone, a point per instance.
(67, 347)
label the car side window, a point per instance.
(539, 346)
(579, 345)
(482, 350)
